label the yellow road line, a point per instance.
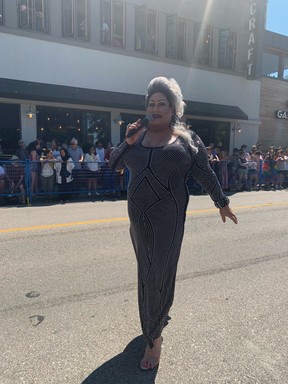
(117, 219)
(61, 225)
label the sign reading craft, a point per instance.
(282, 115)
(252, 41)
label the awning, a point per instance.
(196, 108)
(24, 90)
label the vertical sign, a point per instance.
(252, 40)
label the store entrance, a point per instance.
(215, 132)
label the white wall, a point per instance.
(34, 60)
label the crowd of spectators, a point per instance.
(254, 169)
(67, 170)
(64, 170)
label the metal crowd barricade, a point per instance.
(109, 182)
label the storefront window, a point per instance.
(214, 132)
(10, 131)
(203, 44)
(63, 124)
(1, 11)
(97, 127)
(113, 22)
(146, 30)
(175, 37)
(75, 19)
(34, 15)
(285, 72)
(227, 49)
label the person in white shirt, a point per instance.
(92, 160)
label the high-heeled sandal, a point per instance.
(149, 363)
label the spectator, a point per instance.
(244, 150)
(77, 155)
(34, 165)
(64, 167)
(100, 150)
(269, 169)
(212, 157)
(36, 144)
(242, 171)
(253, 178)
(281, 164)
(109, 149)
(15, 177)
(232, 168)
(22, 151)
(92, 161)
(55, 148)
(47, 173)
(224, 158)
(253, 150)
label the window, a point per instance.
(270, 65)
(34, 15)
(113, 14)
(1, 11)
(227, 49)
(10, 126)
(75, 19)
(275, 66)
(203, 44)
(146, 30)
(175, 38)
(285, 69)
(64, 123)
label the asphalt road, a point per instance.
(69, 301)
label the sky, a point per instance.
(277, 16)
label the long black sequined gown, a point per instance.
(157, 202)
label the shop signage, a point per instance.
(282, 114)
(252, 41)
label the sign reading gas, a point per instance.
(282, 114)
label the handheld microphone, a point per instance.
(142, 124)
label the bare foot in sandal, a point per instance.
(152, 355)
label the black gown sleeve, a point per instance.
(116, 160)
(204, 174)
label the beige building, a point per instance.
(79, 68)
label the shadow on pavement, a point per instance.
(124, 368)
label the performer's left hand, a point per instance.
(227, 212)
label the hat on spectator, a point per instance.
(14, 157)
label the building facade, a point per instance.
(80, 68)
(274, 91)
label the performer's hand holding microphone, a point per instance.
(134, 130)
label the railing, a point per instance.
(38, 184)
(28, 179)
